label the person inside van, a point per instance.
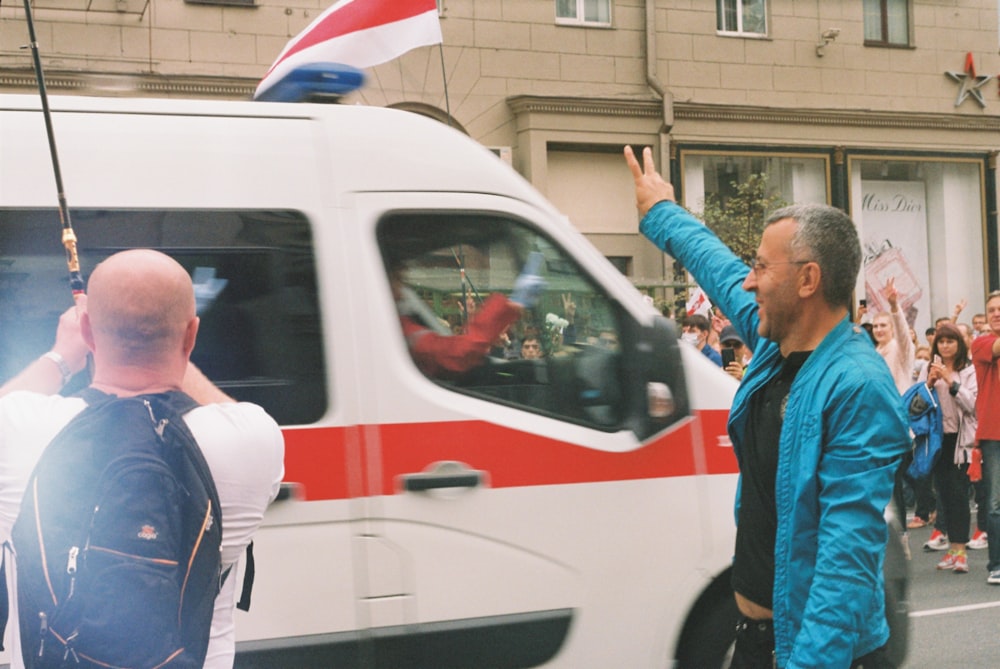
(531, 348)
(437, 352)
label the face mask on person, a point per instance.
(692, 338)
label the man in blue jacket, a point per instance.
(817, 427)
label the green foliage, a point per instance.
(738, 220)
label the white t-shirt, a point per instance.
(244, 450)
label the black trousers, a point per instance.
(755, 649)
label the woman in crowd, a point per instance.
(953, 377)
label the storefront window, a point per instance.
(790, 177)
(733, 193)
(921, 223)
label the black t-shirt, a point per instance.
(753, 564)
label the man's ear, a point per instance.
(191, 335)
(86, 330)
(810, 276)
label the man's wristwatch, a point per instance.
(60, 362)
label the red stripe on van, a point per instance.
(318, 457)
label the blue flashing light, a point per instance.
(315, 82)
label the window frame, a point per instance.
(884, 26)
(720, 22)
(472, 383)
(580, 20)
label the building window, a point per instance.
(746, 17)
(887, 22)
(622, 263)
(733, 192)
(584, 12)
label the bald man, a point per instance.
(139, 323)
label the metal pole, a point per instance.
(68, 236)
(444, 78)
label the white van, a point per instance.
(573, 511)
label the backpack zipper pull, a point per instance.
(74, 551)
(71, 569)
(44, 629)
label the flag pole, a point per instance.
(444, 78)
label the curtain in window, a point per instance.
(598, 11)
(754, 16)
(726, 15)
(899, 23)
(873, 20)
(566, 9)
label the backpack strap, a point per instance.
(4, 594)
(248, 574)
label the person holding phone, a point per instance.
(952, 375)
(735, 354)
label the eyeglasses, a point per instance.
(759, 266)
(530, 346)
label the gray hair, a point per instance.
(828, 237)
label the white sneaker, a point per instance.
(994, 577)
(978, 541)
(937, 542)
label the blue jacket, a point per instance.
(842, 439)
(924, 411)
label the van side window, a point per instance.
(260, 337)
(452, 275)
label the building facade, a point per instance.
(889, 109)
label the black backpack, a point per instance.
(117, 542)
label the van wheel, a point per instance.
(710, 633)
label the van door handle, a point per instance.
(443, 475)
(290, 490)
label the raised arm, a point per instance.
(50, 372)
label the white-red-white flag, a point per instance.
(360, 33)
(698, 302)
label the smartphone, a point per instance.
(937, 360)
(728, 356)
(863, 303)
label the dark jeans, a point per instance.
(755, 649)
(953, 491)
(923, 493)
(991, 481)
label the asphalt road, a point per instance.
(954, 619)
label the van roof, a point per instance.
(374, 148)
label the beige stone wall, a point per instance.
(785, 71)
(495, 49)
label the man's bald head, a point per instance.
(140, 305)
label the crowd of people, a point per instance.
(946, 366)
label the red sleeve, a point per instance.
(982, 349)
(435, 353)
